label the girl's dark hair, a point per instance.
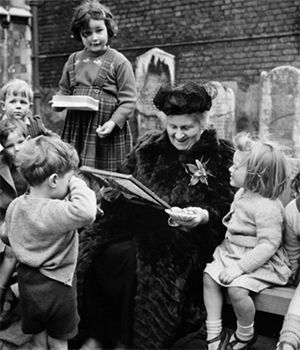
(92, 9)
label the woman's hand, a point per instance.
(188, 218)
(105, 129)
(229, 274)
(109, 194)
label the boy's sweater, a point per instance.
(43, 232)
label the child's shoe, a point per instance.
(223, 338)
(246, 343)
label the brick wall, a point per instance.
(212, 39)
(231, 41)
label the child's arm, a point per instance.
(127, 94)
(127, 97)
(292, 235)
(7, 268)
(8, 263)
(66, 215)
(268, 219)
(292, 246)
(64, 86)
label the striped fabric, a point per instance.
(80, 126)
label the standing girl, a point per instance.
(250, 258)
(102, 139)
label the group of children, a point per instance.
(42, 198)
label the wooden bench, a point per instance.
(273, 300)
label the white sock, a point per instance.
(245, 333)
(213, 329)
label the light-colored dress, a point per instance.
(253, 242)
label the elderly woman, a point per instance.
(143, 288)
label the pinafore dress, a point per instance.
(80, 126)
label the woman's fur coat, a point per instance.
(170, 261)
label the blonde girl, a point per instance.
(250, 258)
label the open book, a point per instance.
(127, 184)
(85, 103)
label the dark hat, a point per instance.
(187, 98)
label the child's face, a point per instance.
(95, 37)
(62, 185)
(238, 169)
(16, 106)
(13, 144)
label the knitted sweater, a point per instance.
(255, 221)
(292, 233)
(42, 231)
(120, 81)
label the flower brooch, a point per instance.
(198, 172)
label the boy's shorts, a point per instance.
(47, 305)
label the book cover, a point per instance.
(127, 184)
(85, 103)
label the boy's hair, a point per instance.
(7, 126)
(16, 87)
(267, 170)
(92, 9)
(43, 156)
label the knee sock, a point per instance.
(245, 333)
(213, 329)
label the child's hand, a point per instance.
(229, 274)
(105, 129)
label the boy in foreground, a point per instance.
(41, 227)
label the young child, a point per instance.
(250, 258)
(16, 101)
(101, 138)
(57, 204)
(290, 332)
(13, 134)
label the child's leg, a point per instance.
(244, 310)
(213, 301)
(39, 341)
(213, 298)
(57, 344)
(7, 266)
